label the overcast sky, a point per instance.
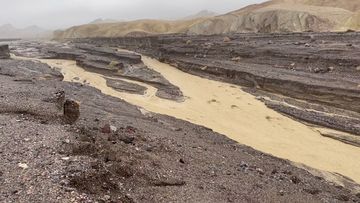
(53, 14)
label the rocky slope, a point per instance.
(271, 16)
(114, 153)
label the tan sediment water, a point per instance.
(227, 109)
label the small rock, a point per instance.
(358, 68)
(65, 158)
(23, 166)
(64, 182)
(204, 68)
(243, 165)
(260, 171)
(295, 180)
(127, 139)
(227, 39)
(281, 192)
(107, 197)
(349, 45)
(312, 38)
(130, 129)
(275, 171)
(307, 45)
(106, 129)
(176, 129)
(237, 59)
(330, 68)
(188, 42)
(317, 70)
(182, 161)
(260, 98)
(323, 70)
(113, 128)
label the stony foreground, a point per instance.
(116, 153)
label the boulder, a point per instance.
(4, 52)
(71, 111)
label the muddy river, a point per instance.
(228, 110)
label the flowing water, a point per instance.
(228, 110)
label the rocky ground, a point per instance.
(116, 153)
(314, 77)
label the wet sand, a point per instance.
(230, 111)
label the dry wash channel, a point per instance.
(228, 110)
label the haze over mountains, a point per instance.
(31, 32)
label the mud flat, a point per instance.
(136, 155)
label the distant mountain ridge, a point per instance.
(32, 32)
(107, 20)
(201, 14)
(268, 17)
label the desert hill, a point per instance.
(133, 28)
(271, 16)
(283, 16)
